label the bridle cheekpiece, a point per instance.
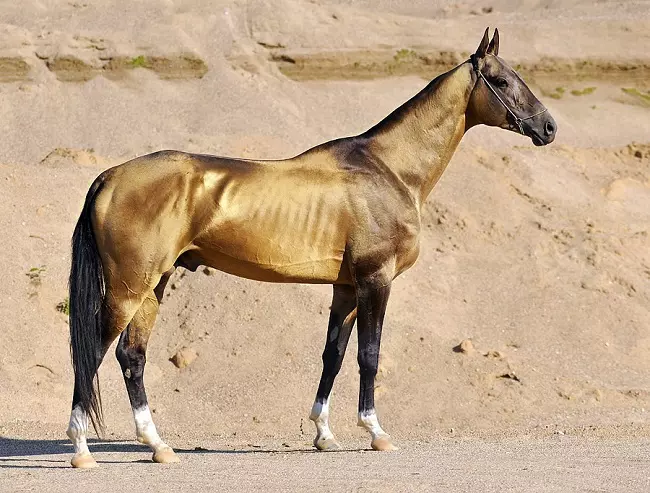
(518, 121)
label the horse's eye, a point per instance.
(501, 83)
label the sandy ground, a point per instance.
(552, 465)
(540, 256)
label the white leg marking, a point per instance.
(78, 430)
(369, 421)
(320, 413)
(145, 429)
(147, 434)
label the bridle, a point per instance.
(518, 120)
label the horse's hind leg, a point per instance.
(342, 317)
(131, 354)
(115, 317)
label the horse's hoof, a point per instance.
(383, 444)
(165, 456)
(83, 461)
(327, 445)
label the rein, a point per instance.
(518, 120)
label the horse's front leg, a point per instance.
(342, 317)
(372, 298)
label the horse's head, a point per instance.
(502, 99)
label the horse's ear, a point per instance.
(482, 48)
(493, 49)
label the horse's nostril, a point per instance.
(549, 128)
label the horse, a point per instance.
(345, 213)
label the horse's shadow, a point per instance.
(15, 451)
(18, 447)
(21, 453)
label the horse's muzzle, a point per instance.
(542, 132)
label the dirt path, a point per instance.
(559, 464)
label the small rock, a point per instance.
(466, 347)
(510, 376)
(638, 154)
(208, 271)
(184, 357)
(494, 354)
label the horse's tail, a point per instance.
(86, 299)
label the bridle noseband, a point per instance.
(518, 120)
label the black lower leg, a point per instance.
(132, 360)
(340, 325)
(132, 347)
(372, 302)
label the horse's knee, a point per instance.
(131, 358)
(332, 358)
(368, 359)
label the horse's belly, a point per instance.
(264, 255)
(322, 271)
(279, 227)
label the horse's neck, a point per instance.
(417, 140)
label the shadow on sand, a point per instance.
(20, 453)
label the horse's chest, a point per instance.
(407, 252)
